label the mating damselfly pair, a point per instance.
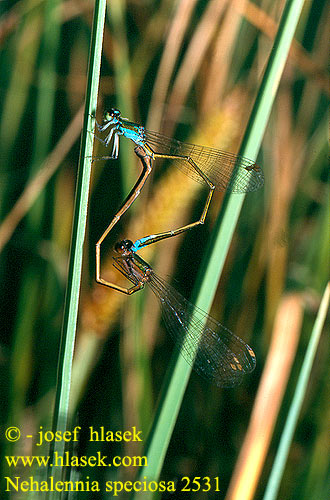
(212, 350)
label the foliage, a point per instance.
(191, 70)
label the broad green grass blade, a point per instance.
(297, 401)
(61, 413)
(212, 265)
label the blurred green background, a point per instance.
(190, 69)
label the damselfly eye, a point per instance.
(110, 115)
(119, 247)
(127, 244)
(123, 246)
(115, 112)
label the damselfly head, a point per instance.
(123, 247)
(113, 114)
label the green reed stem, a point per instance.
(61, 411)
(297, 401)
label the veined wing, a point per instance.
(211, 349)
(219, 166)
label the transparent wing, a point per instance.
(211, 349)
(216, 164)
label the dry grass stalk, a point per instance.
(285, 337)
